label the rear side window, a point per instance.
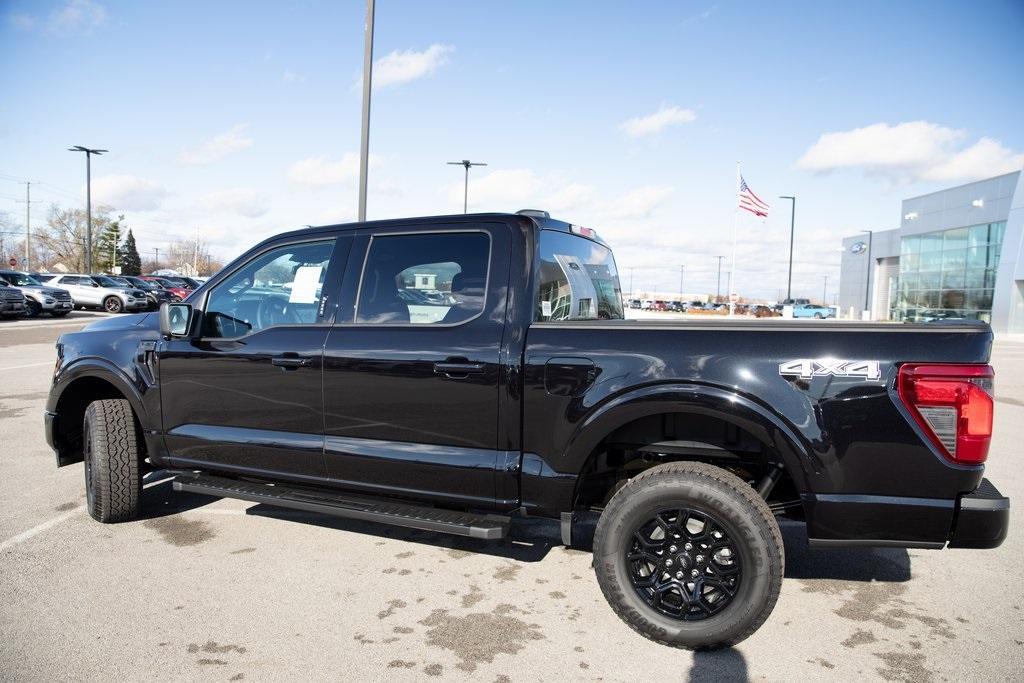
(578, 280)
(424, 279)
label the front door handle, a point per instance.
(290, 362)
(458, 369)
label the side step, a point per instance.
(350, 506)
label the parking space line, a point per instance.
(39, 528)
(29, 365)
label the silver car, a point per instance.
(38, 297)
(98, 291)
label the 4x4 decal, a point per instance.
(825, 367)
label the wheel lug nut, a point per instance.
(668, 563)
(688, 546)
(679, 575)
(700, 558)
(672, 549)
(694, 573)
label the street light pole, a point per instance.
(792, 223)
(867, 285)
(364, 143)
(682, 270)
(88, 200)
(824, 291)
(718, 287)
(467, 164)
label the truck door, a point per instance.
(246, 397)
(412, 372)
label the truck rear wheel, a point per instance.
(689, 555)
(113, 488)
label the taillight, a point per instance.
(953, 405)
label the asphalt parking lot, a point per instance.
(207, 589)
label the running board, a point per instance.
(350, 506)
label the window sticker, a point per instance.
(304, 288)
(545, 308)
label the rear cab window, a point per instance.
(577, 280)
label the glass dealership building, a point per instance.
(956, 254)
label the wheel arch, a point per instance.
(784, 446)
(76, 386)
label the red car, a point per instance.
(179, 292)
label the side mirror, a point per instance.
(95, 284)
(175, 320)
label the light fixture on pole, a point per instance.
(88, 199)
(792, 222)
(364, 141)
(467, 164)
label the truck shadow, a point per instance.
(843, 564)
(160, 500)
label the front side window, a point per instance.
(282, 286)
(424, 279)
(578, 279)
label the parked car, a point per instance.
(38, 297)
(155, 294)
(687, 438)
(813, 311)
(174, 288)
(794, 302)
(12, 302)
(97, 291)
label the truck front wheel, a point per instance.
(113, 488)
(689, 555)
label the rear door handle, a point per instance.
(458, 368)
(290, 362)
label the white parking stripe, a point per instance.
(30, 365)
(38, 529)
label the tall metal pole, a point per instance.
(467, 164)
(792, 223)
(824, 291)
(682, 269)
(867, 286)
(364, 146)
(718, 287)
(28, 223)
(88, 200)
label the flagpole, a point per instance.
(732, 267)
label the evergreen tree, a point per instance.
(131, 263)
(105, 247)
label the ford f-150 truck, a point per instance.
(451, 373)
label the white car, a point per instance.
(98, 291)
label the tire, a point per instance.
(32, 308)
(818, 316)
(731, 506)
(113, 487)
(112, 304)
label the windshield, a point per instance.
(106, 281)
(578, 279)
(166, 283)
(20, 279)
(141, 284)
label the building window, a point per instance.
(948, 273)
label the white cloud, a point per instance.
(292, 77)
(217, 147)
(242, 201)
(77, 16)
(651, 124)
(128, 192)
(914, 150)
(22, 21)
(322, 171)
(402, 66)
(568, 197)
(640, 202)
(498, 190)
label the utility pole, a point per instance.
(156, 259)
(88, 199)
(718, 287)
(195, 257)
(824, 291)
(792, 222)
(867, 283)
(364, 143)
(113, 251)
(682, 269)
(28, 223)
(465, 192)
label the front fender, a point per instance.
(100, 368)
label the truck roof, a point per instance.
(539, 219)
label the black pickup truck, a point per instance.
(451, 373)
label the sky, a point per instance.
(238, 120)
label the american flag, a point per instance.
(750, 201)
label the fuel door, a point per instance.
(569, 376)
